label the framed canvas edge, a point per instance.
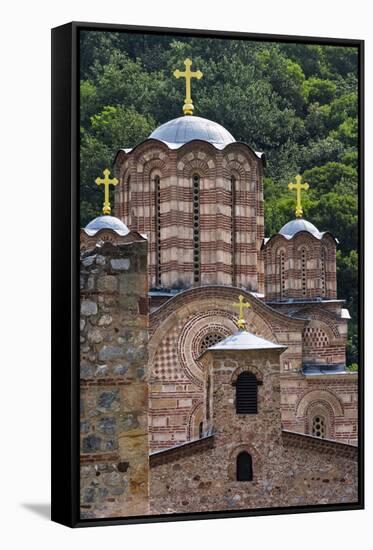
(65, 275)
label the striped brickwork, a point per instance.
(230, 220)
(301, 267)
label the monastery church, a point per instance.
(213, 357)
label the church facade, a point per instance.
(190, 200)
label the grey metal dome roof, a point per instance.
(180, 130)
(106, 222)
(297, 225)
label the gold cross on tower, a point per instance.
(298, 186)
(188, 106)
(106, 181)
(241, 323)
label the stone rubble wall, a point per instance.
(288, 469)
(301, 474)
(114, 386)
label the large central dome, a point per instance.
(180, 130)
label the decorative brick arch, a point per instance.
(148, 150)
(257, 460)
(122, 170)
(315, 396)
(195, 328)
(243, 153)
(234, 167)
(196, 416)
(249, 368)
(155, 166)
(190, 306)
(320, 408)
(317, 334)
(327, 321)
(200, 162)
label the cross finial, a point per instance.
(188, 106)
(106, 182)
(298, 186)
(241, 323)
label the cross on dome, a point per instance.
(299, 187)
(188, 106)
(106, 182)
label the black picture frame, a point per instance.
(65, 273)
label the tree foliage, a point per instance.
(295, 102)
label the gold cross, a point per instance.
(241, 323)
(106, 182)
(188, 106)
(298, 186)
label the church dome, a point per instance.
(106, 222)
(297, 225)
(180, 130)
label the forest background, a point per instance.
(297, 103)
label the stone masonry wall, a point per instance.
(309, 471)
(114, 393)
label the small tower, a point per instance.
(245, 399)
(300, 261)
(300, 281)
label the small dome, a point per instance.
(106, 222)
(297, 225)
(180, 130)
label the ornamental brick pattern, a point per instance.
(155, 197)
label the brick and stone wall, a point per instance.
(332, 397)
(114, 378)
(288, 469)
(155, 196)
(179, 330)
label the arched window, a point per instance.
(304, 271)
(281, 263)
(233, 227)
(319, 426)
(196, 230)
(244, 467)
(246, 394)
(128, 200)
(200, 430)
(323, 272)
(208, 391)
(157, 187)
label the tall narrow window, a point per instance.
(304, 271)
(233, 228)
(128, 201)
(196, 229)
(246, 394)
(158, 275)
(208, 391)
(323, 272)
(200, 430)
(244, 467)
(318, 426)
(282, 274)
